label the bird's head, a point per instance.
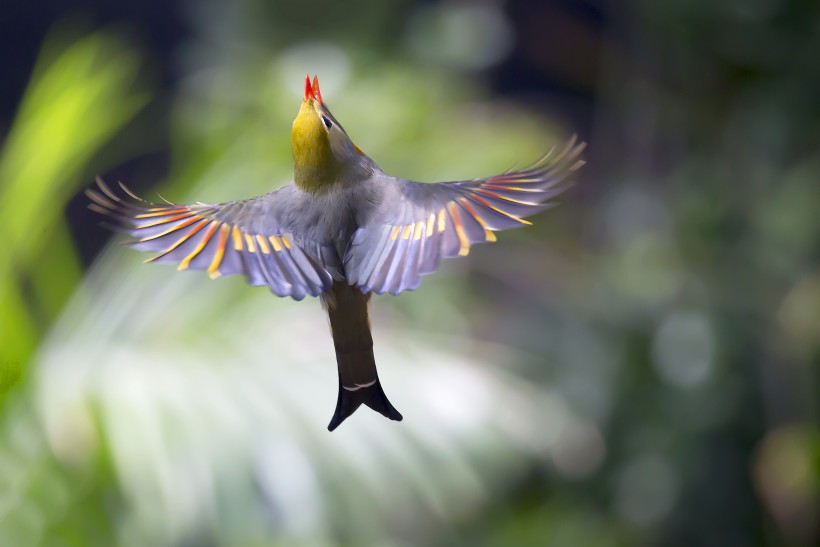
(323, 154)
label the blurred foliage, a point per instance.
(640, 367)
(77, 99)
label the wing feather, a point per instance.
(223, 239)
(418, 224)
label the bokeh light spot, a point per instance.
(683, 349)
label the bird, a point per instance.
(343, 230)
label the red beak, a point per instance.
(312, 91)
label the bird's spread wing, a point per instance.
(420, 223)
(241, 237)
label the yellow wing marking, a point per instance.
(441, 221)
(169, 219)
(213, 269)
(514, 188)
(249, 243)
(173, 229)
(485, 203)
(276, 242)
(180, 241)
(201, 245)
(237, 238)
(263, 244)
(405, 234)
(430, 222)
(164, 212)
(488, 234)
(505, 198)
(417, 232)
(464, 248)
(286, 241)
(395, 233)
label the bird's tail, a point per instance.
(358, 380)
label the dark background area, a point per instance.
(672, 302)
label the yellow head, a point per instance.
(323, 154)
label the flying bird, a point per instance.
(342, 230)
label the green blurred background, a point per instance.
(640, 367)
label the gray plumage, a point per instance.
(375, 234)
(343, 230)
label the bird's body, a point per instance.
(342, 230)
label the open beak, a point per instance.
(312, 90)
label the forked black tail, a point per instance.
(353, 393)
(358, 380)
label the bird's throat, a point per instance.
(315, 168)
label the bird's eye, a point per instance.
(327, 122)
